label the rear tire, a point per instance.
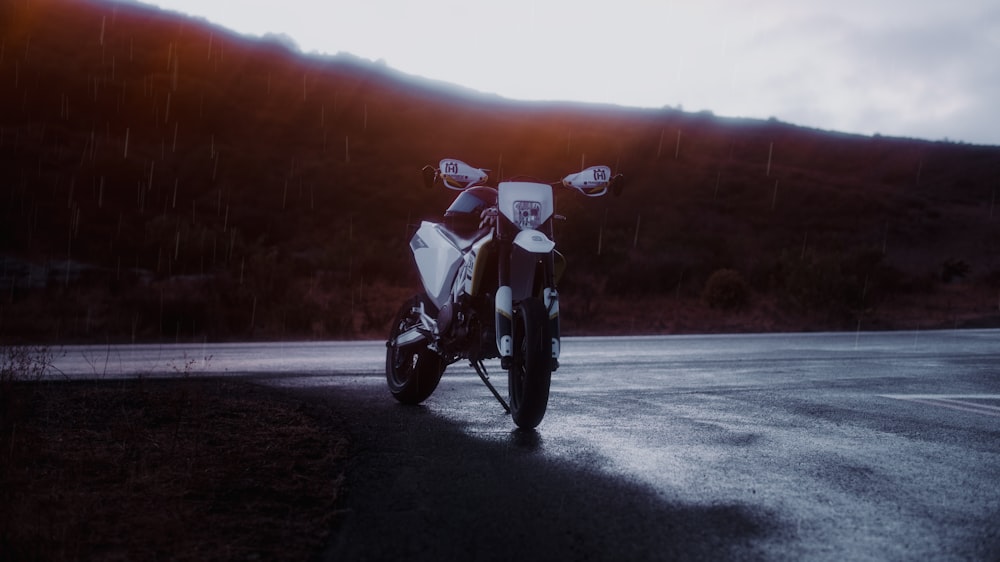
(412, 371)
(530, 373)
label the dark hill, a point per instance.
(162, 178)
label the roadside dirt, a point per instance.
(150, 470)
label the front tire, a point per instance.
(412, 371)
(530, 373)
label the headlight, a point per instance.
(527, 214)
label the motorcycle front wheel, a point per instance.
(412, 371)
(530, 373)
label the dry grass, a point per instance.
(147, 470)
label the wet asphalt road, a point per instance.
(819, 446)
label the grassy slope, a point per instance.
(170, 180)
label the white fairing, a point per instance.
(438, 259)
(526, 204)
(466, 281)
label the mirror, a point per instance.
(592, 182)
(430, 174)
(458, 175)
(617, 184)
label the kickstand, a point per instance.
(481, 371)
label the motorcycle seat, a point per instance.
(463, 241)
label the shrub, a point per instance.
(726, 289)
(24, 363)
(18, 364)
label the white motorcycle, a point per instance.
(489, 274)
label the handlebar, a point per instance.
(455, 174)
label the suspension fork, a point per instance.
(504, 305)
(543, 286)
(550, 298)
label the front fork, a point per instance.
(525, 267)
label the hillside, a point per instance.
(164, 179)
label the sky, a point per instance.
(909, 68)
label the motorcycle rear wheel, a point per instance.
(530, 374)
(411, 371)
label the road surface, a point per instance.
(866, 446)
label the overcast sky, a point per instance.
(915, 68)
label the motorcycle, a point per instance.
(489, 274)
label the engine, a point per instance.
(462, 331)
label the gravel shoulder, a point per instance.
(181, 469)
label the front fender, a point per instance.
(534, 242)
(531, 264)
